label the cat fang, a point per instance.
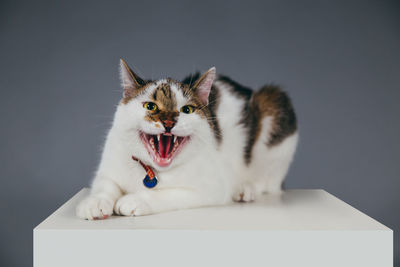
(163, 148)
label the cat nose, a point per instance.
(168, 125)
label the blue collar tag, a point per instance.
(150, 180)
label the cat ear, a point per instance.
(203, 85)
(130, 80)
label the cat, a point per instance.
(207, 139)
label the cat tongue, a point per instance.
(165, 145)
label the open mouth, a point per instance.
(163, 148)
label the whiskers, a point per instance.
(202, 138)
(208, 104)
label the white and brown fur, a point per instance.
(242, 145)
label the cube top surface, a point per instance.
(299, 210)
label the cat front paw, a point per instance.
(244, 193)
(94, 208)
(132, 205)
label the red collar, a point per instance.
(150, 180)
(147, 168)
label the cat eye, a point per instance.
(150, 106)
(187, 109)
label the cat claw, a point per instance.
(244, 193)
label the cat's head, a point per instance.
(166, 121)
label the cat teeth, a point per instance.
(152, 144)
(174, 138)
(158, 137)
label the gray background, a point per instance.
(339, 61)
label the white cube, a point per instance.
(298, 228)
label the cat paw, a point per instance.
(94, 208)
(132, 205)
(244, 193)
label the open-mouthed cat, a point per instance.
(202, 141)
